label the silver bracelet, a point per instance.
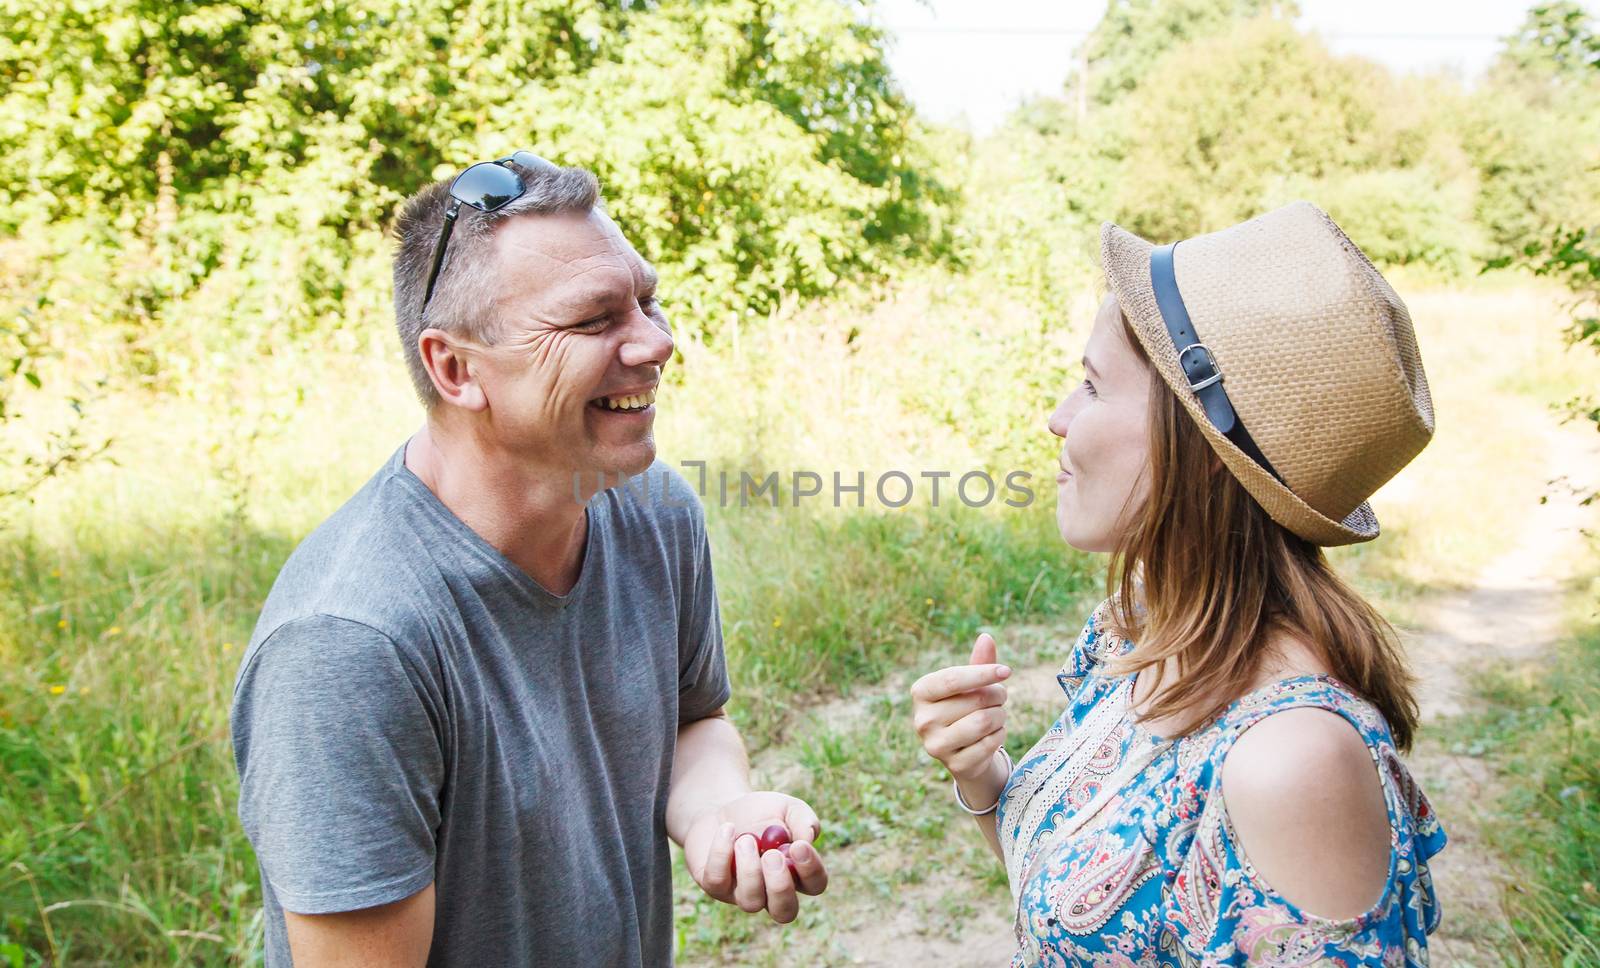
(962, 801)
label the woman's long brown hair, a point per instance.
(1213, 577)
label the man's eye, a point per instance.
(648, 303)
(1090, 387)
(592, 325)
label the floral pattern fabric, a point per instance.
(1120, 852)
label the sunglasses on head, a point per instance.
(487, 186)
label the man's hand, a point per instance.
(720, 851)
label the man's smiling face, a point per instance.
(580, 346)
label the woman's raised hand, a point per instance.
(959, 713)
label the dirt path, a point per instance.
(1510, 616)
(945, 919)
(920, 928)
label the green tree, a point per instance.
(1035, 191)
(778, 161)
(1533, 131)
(235, 163)
(1557, 40)
(1240, 122)
(1553, 62)
(1134, 35)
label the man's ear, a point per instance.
(451, 368)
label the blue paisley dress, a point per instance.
(1120, 851)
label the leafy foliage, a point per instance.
(1572, 257)
(1251, 115)
(1557, 40)
(1231, 124)
(1533, 131)
(56, 442)
(244, 158)
(1135, 34)
(1556, 58)
(779, 161)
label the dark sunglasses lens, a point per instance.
(487, 186)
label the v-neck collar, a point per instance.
(477, 544)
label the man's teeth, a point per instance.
(633, 402)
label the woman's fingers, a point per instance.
(943, 743)
(984, 650)
(928, 717)
(955, 680)
(960, 712)
(971, 760)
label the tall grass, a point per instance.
(127, 590)
(815, 607)
(117, 833)
(1542, 729)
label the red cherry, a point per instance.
(794, 871)
(773, 837)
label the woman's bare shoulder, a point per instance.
(1307, 809)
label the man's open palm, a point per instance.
(721, 853)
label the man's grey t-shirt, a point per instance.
(413, 708)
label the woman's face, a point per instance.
(1105, 452)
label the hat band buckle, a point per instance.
(1208, 389)
(1210, 361)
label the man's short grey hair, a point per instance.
(464, 295)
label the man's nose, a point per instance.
(648, 342)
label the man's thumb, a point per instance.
(983, 650)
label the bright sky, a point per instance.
(980, 58)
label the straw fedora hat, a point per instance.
(1293, 355)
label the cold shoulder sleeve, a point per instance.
(1222, 912)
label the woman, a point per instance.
(1224, 786)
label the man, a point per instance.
(477, 697)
